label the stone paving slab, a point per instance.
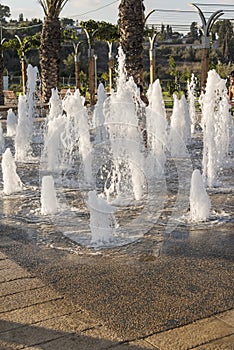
(135, 345)
(227, 317)
(35, 317)
(7, 264)
(34, 314)
(2, 256)
(226, 343)
(12, 274)
(20, 285)
(27, 298)
(201, 332)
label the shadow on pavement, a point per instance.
(13, 335)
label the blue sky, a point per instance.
(107, 10)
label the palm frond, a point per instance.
(52, 8)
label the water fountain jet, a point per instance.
(199, 200)
(11, 180)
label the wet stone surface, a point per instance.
(176, 273)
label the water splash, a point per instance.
(52, 154)
(11, 180)
(26, 111)
(191, 88)
(32, 74)
(23, 132)
(157, 135)
(49, 203)
(98, 115)
(55, 105)
(102, 219)
(178, 129)
(11, 123)
(2, 140)
(199, 200)
(77, 131)
(217, 127)
(121, 111)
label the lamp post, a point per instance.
(1, 70)
(91, 66)
(110, 64)
(95, 71)
(152, 56)
(77, 63)
(205, 29)
(23, 65)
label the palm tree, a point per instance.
(1, 77)
(50, 46)
(131, 29)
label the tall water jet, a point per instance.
(55, 105)
(2, 140)
(23, 132)
(122, 111)
(102, 219)
(11, 123)
(191, 88)
(216, 125)
(49, 203)
(187, 119)
(178, 130)
(55, 124)
(156, 125)
(32, 74)
(199, 200)
(26, 109)
(52, 154)
(11, 180)
(156, 101)
(98, 115)
(77, 129)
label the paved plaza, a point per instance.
(173, 294)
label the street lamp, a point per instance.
(77, 63)
(205, 29)
(110, 64)
(95, 71)
(91, 65)
(23, 65)
(152, 56)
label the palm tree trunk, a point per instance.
(131, 28)
(1, 77)
(50, 55)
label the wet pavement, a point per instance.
(161, 282)
(150, 286)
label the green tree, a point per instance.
(23, 45)
(4, 13)
(225, 33)
(193, 35)
(174, 72)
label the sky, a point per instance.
(107, 10)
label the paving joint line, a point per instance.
(47, 341)
(24, 290)
(25, 307)
(220, 319)
(91, 328)
(23, 325)
(19, 278)
(210, 341)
